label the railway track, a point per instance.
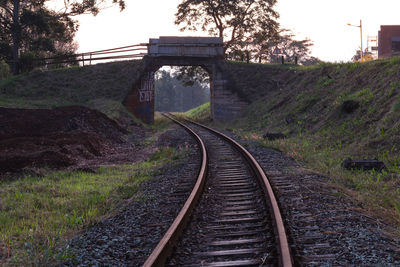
(235, 219)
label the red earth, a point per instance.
(62, 137)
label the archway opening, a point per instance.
(180, 89)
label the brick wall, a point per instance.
(388, 35)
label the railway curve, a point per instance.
(236, 221)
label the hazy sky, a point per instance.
(323, 21)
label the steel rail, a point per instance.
(284, 249)
(160, 254)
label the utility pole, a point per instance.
(362, 57)
(359, 26)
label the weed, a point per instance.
(37, 213)
(394, 60)
(397, 208)
(394, 85)
(364, 96)
(8, 85)
(324, 82)
(351, 67)
(200, 113)
(164, 153)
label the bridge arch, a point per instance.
(206, 52)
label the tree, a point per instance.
(239, 22)
(30, 27)
(292, 49)
(367, 55)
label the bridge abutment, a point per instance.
(140, 99)
(206, 52)
(225, 104)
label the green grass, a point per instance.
(161, 123)
(377, 192)
(306, 103)
(37, 214)
(78, 85)
(199, 113)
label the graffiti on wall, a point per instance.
(146, 90)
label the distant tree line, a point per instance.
(172, 95)
(29, 29)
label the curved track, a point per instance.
(236, 221)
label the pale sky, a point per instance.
(323, 21)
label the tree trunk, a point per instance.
(16, 37)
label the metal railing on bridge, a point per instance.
(124, 52)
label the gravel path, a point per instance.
(127, 238)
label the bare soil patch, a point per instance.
(72, 137)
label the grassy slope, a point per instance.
(306, 103)
(101, 86)
(200, 113)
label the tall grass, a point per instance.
(199, 113)
(37, 214)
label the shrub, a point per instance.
(27, 61)
(4, 70)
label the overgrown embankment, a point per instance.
(331, 112)
(101, 86)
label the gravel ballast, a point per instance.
(324, 226)
(128, 237)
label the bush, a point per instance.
(4, 70)
(27, 61)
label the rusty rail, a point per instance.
(164, 247)
(284, 249)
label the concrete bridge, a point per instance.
(206, 52)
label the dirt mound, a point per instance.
(55, 138)
(39, 122)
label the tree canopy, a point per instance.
(249, 29)
(367, 56)
(31, 29)
(292, 49)
(239, 22)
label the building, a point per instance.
(389, 41)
